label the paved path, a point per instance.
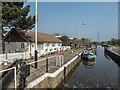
(35, 73)
(116, 49)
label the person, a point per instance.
(22, 78)
(75, 45)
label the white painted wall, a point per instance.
(30, 47)
(52, 46)
(13, 47)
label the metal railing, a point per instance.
(13, 68)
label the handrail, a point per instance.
(41, 60)
(15, 86)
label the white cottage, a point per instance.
(25, 42)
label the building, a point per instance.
(57, 35)
(80, 42)
(25, 42)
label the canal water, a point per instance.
(99, 73)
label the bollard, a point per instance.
(59, 60)
(46, 64)
(36, 59)
(62, 59)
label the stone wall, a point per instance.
(113, 55)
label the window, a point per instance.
(48, 44)
(53, 44)
(40, 45)
(59, 44)
(22, 45)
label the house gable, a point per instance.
(13, 36)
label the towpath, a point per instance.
(35, 73)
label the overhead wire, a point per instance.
(106, 18)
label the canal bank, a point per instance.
(113, 55)
(103, 74)
(52, 80)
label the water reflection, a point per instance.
(107, 57)
(88, 63)
(113, 59)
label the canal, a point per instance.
(99, 73)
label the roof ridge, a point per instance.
(39, 32)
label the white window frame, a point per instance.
(22, 45)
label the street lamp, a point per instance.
(36, 37)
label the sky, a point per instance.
(66, 18)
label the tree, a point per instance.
(14, 15)
(65, 39)
(109, 42)
(114, 41)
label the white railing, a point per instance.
(14, 68)
(41, 60)
(11, 56)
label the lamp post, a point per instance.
(36, 37)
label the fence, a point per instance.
(4, 82)
(11, 56)
(23, 55)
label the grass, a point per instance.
(25, 59)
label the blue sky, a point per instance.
(67, 17)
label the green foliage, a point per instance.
(113, 41)
(14, 15)
(65, 40)
(25, 59)
(2, 64)
(96, 43)
(77, 48)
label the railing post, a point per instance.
(15, 77)
(64, 72)
(6, 56)
(46, 64)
